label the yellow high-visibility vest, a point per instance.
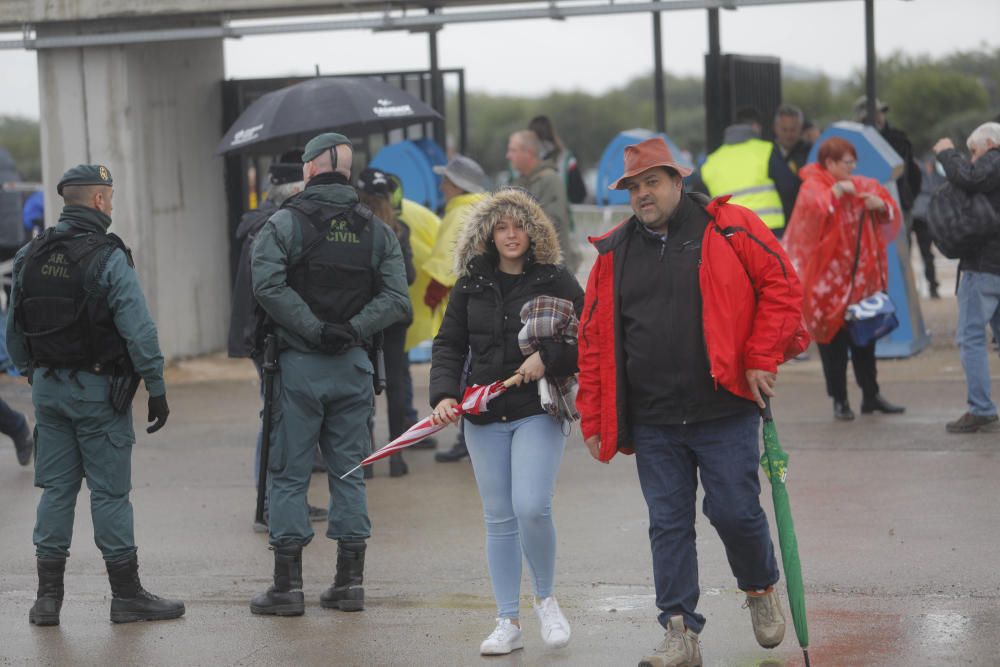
(740, 170)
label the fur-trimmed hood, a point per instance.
(513, 203)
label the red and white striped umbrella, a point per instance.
(474, 402)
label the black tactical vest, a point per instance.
(62, 313)
(334, 274)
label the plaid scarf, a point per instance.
(547, 318)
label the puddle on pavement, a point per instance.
(626, 602)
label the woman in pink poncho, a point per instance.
(822, 241)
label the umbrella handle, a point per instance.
(765, 412)
(512, 380)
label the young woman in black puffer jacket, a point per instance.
(508, 254)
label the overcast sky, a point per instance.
(596, 53)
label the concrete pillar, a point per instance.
(151, 113)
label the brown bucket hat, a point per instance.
(645, 155)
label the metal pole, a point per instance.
(870, 61)
(437, 94)
(713, 85)
(463, 130)
(659, 97)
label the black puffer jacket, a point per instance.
(982, 176)
(482, 323)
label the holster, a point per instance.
(124, 384)
(376, 353)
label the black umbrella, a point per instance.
(351, 106)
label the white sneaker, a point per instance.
(555, 627)
(506, 637)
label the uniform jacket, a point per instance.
(482, 323)
(279, 244)
(119, 285)
(751, 317)
(822, 240)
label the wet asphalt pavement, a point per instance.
(897, 524)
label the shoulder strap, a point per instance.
(857, 257)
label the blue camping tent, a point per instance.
(612, 164)
(413, 162)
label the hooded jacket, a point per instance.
(822, 241)
(482, 322)
(751, 317)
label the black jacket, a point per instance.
(241, 320)
(660, 305)
(909, 183)
(982, 176)
(482, 323)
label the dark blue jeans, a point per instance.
(668, 459)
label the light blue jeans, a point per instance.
(978, 305)
(516, 465)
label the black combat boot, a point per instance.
(131, 602)
(347, 593)
(397, 466)
(285, 597)
(45, 611)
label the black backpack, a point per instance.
(959, 222)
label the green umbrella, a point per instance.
(774, 461)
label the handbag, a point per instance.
(874, 316)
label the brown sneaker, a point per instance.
(766, 616)
(679, 647)
(970, 423)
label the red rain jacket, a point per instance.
(751, 314)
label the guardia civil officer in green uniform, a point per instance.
(330, 275)
(78, 326)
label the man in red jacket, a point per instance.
(690, 308)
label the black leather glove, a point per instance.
(158, 411)
(335, 338)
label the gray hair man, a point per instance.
(979, 271)
(541, 178)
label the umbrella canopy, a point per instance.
(474, 402)
(351, 106)
(774, 461)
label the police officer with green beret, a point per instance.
(330, 275)
(79, 330)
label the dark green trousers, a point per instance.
(78, 435)
(329, 400)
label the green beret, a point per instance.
(323, 142)
(85, 174)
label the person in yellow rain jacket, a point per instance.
(424, 226)
(462, 187)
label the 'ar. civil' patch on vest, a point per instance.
(334, 275)
(341, 231)
(64, 317)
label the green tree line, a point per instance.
(928, 99)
